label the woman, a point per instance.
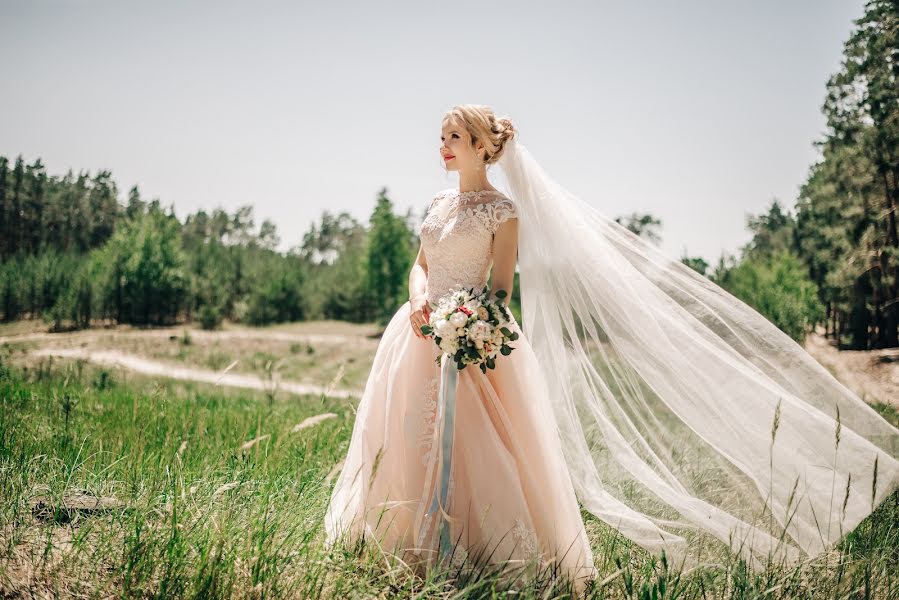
(510, 498)
(685, 419)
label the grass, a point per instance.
(298, 360)
(221, 498)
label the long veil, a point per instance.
(686, 417)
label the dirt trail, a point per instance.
(872, 374)
(150, 367)
(91, 335)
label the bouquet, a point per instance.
(471, 327)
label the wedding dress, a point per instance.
(510, 498)
(683, 418)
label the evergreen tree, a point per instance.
(389, 257)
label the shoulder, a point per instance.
(504, 207)
(438, 196)
(499, 209)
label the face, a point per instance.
(456, 149)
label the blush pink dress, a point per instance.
(511, 500)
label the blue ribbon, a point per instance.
(446, 414)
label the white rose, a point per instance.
(445, 329)
(458, 319)
(444, 309)
(480, 331)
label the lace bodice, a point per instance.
(457, 235)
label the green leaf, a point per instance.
(426, 329)
(505, 350)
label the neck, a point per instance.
(473, 181)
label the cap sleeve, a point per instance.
(503, 209)
(434, 201)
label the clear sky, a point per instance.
(699, 112)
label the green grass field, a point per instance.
(212, 494)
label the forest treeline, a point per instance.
(75, 255)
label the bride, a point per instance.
(670, 409)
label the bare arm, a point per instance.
(418, 276)
(505, 254)
(419, 310)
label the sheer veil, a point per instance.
(686, 417)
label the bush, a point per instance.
(210, 317)
(277, 300)
(780, 289)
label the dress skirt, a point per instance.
(510, 498)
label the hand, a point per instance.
(420, 313)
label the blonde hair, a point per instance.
(482, 125)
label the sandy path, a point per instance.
(872, 374)
(91, 335)
(150, 367)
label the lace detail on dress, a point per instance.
(457, 235)
(437, 197)
(460, 555)
(427, 414)
(491, 214)
(527, 539)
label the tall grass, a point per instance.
(222, 495)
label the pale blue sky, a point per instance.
(699, 112)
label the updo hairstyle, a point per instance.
(483, 125)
